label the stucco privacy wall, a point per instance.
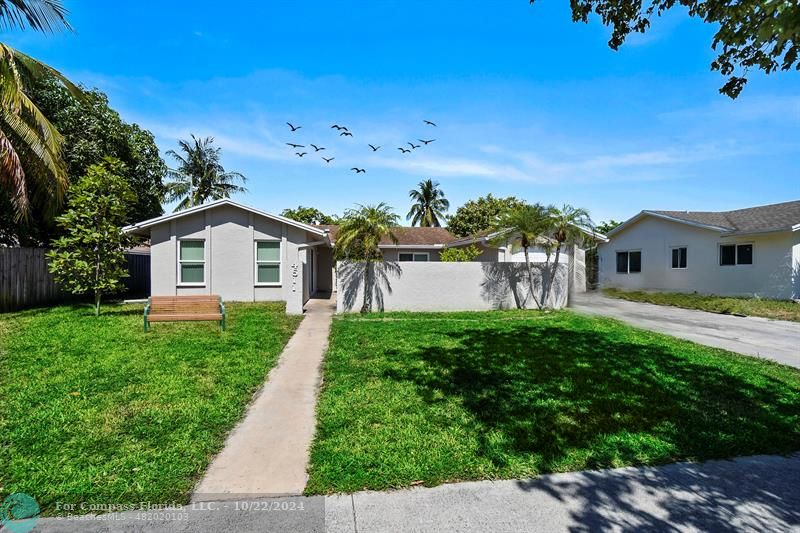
(435, 286)
(772, 274)
(230, 234)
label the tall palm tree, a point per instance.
(522, 227)
(565, 226)
(200, 176)
(430, 204)
(360, 235)
(30, 146)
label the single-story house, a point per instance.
(745, 252)
(244, 254)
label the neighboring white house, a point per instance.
(746, 252)
(244, 254)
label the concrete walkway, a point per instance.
(267, 453)
(759, 493)
(772, 339)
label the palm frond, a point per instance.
(12, 176)
(40, 15)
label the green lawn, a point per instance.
(776, 309)
(430, 398)
(95, 410)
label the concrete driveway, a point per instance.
(771, 339)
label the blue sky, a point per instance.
(527, 102)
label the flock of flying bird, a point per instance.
(345, 132)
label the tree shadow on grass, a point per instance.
(582, 399)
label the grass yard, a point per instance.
(95, 410)
(775, 309)
(431, 398)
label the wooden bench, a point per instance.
(184, 308)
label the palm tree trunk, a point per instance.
(530, 278)
(366, 307)
(552, 276)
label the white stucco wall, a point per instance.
(230, 235)
(770, 275)
(436, 286)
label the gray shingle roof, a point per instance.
(761, 219)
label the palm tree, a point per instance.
(30, 146)
(565, 225)
(430, 204)
(360, 235)
(522, 227)
(200, 176)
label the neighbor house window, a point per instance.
(679, 257)
(418, 257)
(192, 261)
(629, 262)
(735, 254)
(268, 262)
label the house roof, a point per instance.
(761, 219)
(406, 236)
(487, 235)
(140, 226)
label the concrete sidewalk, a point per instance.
(267, 452)
(759, 493)
(771, 339)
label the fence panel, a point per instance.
(25, 280)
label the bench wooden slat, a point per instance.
(184, 317)
(195, 307)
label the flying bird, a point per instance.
(295, 146)
(374, 148)
(317, 148)
(404, 150)
(358, 170)
(294, 128)
(327, 159)
(413, 146)
(338, 127)
(345, 134)
(423, 141)
(429, 123)
(299, 154)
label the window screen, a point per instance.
(635, 262)
(622, 262)
(679, 257)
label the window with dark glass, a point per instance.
(629, 262)
(727, 254)
(635, 262)
(744, 254)
(622, 262)
(679, 257)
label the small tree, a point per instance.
(566, 226)
(522, 227)
(459, 255)
(90, 256)
(359, 238)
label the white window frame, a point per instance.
(279, 262)
(678, 247)
(628, 272)
(180, 262)
(736, 246)
(413, 257)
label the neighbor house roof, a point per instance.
(406, 236)
(139, 226)
(487, 235)
(762, 219)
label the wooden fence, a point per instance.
(26, 282)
